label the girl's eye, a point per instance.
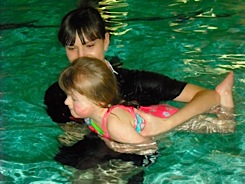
(73, 98)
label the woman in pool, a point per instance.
(83, 33)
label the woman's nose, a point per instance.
(81, 53)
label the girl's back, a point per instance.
(122, 124)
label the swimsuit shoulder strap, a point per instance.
(104, 119)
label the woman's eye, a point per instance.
(90, 45)
(70, 48)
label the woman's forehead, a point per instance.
(84, 39)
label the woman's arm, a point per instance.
(147, 88)
(146, 148)
(54, 100)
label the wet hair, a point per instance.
(92, 78)
(86, 21)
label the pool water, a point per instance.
(195, 41)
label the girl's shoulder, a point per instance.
(119, 118)
(121, 114)
(120, 126)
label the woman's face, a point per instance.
(94, 48)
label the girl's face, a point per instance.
(94, 48)
(80, 106)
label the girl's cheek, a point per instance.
(78, 109)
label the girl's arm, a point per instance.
(199, 100)
(150, 88)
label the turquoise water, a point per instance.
(195, 41)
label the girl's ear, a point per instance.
(106, 41)
(103, 104)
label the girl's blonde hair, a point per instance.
(92, 78)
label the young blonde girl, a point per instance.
(93, 94)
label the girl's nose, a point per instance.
(67, 100)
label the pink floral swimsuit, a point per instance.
(161, 110)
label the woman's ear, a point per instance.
(106, 41)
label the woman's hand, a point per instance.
(139, 149)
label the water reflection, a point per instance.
(113, 17)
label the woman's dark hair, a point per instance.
(86, 21)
